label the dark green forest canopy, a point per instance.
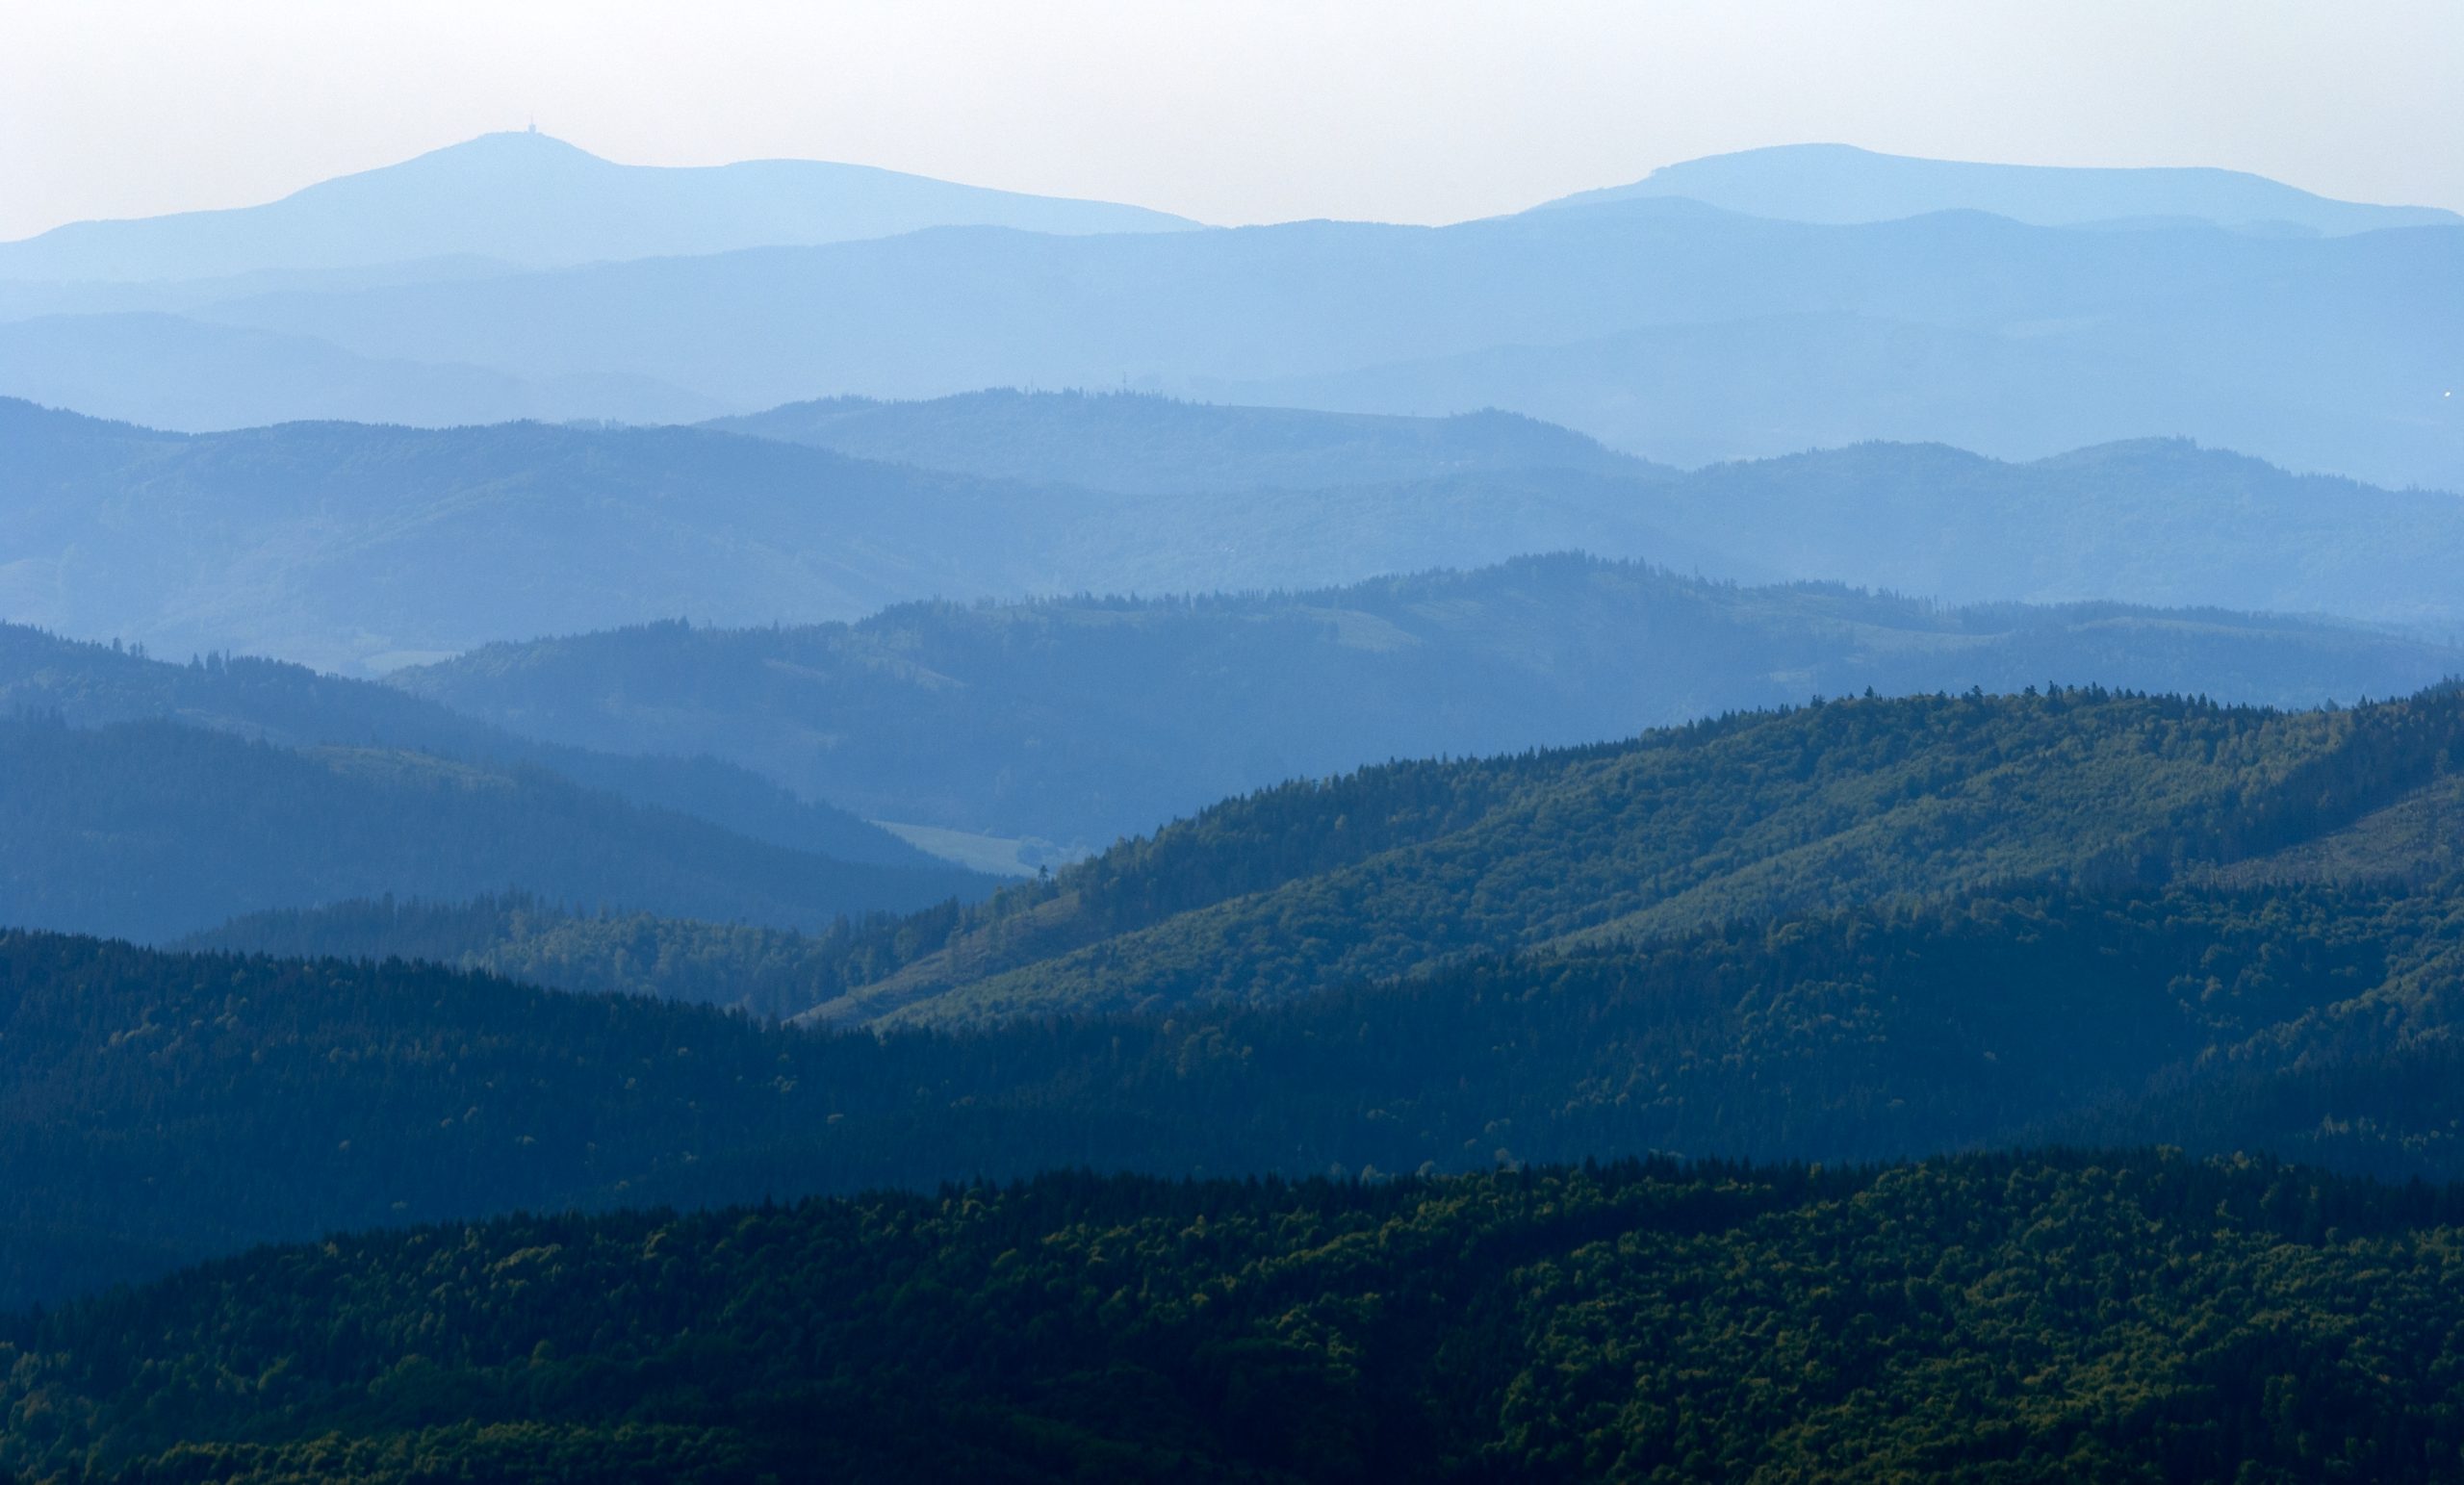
(767, 972)
(1402, 867)
(163, 1107)
(2004, 1319)
(1082, 720)
(1836, 805)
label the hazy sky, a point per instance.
(1427, 111)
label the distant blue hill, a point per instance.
(1669, 328)
(1775, 385)
(1136, 444)
(539, 203)
(1839, 185)
(167, 370)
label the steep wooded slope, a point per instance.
(1402, 866)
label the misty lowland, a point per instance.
(1801, 820)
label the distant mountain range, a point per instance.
(1841, 184)
(350, 546)
(1082, 720)
(530, 200)
(1742, 306)
(2331, 353)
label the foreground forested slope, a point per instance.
(1991, 1318)
(158, 1107)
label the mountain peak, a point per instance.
(531, 199)
(522, 144)
(1839, 185)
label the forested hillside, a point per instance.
(1084, 721)
(767, 972)
(168, 1105)
(91, 684)
(1953, 1321)
(1407, 865)
(153, 829)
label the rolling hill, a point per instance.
(1776, 385)
(148, 830)
(767, 972)
(1137, 444)
(168, 372)
(2159, 522)
(1865, 930)
(1407, 866)
(91, 684)
(342, 544)
(1082, 720)
(298, 541)
(171, 1106)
